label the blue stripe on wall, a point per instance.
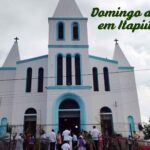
(68, 46)
(32, 59)
(126, 68)
(74, 87)
(7, 68)
(64, 18)
(104, 59)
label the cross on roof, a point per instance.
(116, 40)
(16, 39)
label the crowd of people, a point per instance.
(67, 140)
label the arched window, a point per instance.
(106, 79)
(105, 110)
(68, 70)
(95, 79)
(77, 70)
(40, 79)
(59, 70)
(131, 124)
(29, 80)
(60, 31)
(30, 111)
(75, 31)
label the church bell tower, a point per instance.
(68, 45)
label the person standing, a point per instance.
(19, 142)
(31, 142)
(66, 135)
(95, 135)
(70, 141)
(81, 143)
(130, 142)
(43, 141)
(59, 140)
(52, 138)
(74, 141)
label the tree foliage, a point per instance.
(146, 130)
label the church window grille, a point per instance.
(40, 79)
(29, 80)
(30, 111)
(60, 31)
(106, 79)
(69, 104)
(105, 110)
(68, 70)
(59, 70)
(95, 79)
(75, 30)
(77, 70)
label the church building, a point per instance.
(68, 88)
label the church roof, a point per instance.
(119, 56)
(67, 8)
(13, 56)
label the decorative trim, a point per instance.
(64, 18)
(68, 46)
(104, 59)
(68, 110)
(75, 87)
(7, 68)
(31, 59)
(126, 68)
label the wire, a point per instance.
(89, 74)
(16, 93)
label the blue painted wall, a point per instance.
(3, 127)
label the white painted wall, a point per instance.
(6, 93)
(23, 100)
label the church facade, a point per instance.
(68, 88)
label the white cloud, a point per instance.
(144, 97)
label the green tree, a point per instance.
(146, 130)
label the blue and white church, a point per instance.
(68, 88)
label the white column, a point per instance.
(73, 70)
(64, 70)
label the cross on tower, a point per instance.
(16, 39)
(116, 40)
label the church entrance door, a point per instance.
(69, 116)
(30, 121)
(106, 121)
